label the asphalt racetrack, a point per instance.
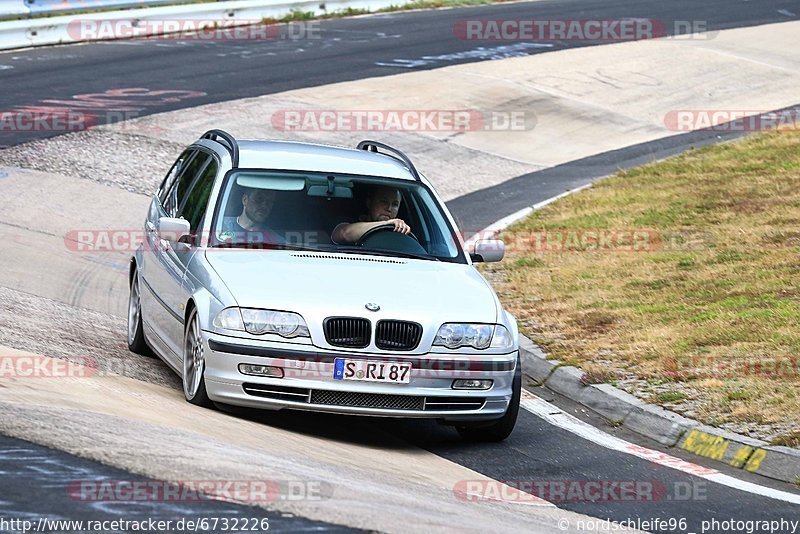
(683, 499)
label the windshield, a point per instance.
(333, 213)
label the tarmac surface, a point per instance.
(60, 303)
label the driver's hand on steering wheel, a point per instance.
(399, 226)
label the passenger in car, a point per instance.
(251, 224)
(383, 203)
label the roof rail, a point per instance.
(373, 146)
(232, 146)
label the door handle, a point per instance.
(150, 227)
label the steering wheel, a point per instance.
(389, 227)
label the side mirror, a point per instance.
(172, 229)
(488, 250)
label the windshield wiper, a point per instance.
(413, 255)
(270, 246)
(384, 252)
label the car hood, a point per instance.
(319, 285)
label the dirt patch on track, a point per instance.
(54, 329)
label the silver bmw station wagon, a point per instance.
(284, 275)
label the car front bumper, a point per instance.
(308, 382)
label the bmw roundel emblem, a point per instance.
(371, 306)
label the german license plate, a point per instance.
(371, 371)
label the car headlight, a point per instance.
(479, 336)
(502, 338)
(229, 319)
(259, 322)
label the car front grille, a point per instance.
(351, 332)
(367, 400)
(397, 335)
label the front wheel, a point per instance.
(194, 364)
(501, 428)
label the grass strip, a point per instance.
(678, 281)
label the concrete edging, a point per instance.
(654, 422)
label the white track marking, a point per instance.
(482, 52)
(497, 227)
(528, 500)
(557, 417)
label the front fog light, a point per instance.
(261, 370)
(471, 383)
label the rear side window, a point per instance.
(194, 207)
(179, 191)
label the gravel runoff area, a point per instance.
(101, 156)
(135, 155)
(118, 156)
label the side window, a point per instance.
(417, 218)
(195, 206)
(178, 192)
(169, 179)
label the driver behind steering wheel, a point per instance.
(383, 203)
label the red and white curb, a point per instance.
(557, 417)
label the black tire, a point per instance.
(194, 393)
(136, 342)
(499, 429)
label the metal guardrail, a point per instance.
(64, 29)
(76, 6)
(11, 8)
(27, 8)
